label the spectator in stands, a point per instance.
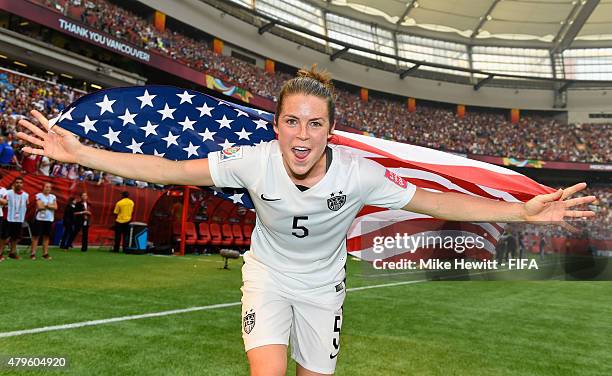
(46, 204)
(7, 155)
(82, 220)
(44, 166)
(123, 209)
(68, 224)
(30, 163)
(17, 201)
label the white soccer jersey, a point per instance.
(2, 195)
(17, 206)
(301, 235)
(45, 214)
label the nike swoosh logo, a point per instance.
(333, 356)
(269, 199)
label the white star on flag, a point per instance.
(106, 105)
(135, 147)
(237, 198)
(224, 122)
(66, 115)
(261, 123)
(207, 135)
(261, 112)
(88, 125)
(112, 136)
(191, 149)
(185, 97)
(243, 134)
(205, 110)
(226, 144)
(150, 129)
(146, 99)
(187, 124)
(170, 139)
(241, 113)
(155, 153)
(167, 112)
(127, 117)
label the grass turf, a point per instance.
(431, 328)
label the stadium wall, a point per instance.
(239, 33)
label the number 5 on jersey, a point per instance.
(302, 231)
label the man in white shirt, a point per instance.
(17, 202)
(46, 204)
(44, 166)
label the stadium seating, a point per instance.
(247, 230)
(205, 236)
(228, 237)
(216, 236)
(239, 240)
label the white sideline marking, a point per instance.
(185, 310)
(163, 313)
(114, 319)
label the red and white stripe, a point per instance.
(436, 171)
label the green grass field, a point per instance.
(470, 328)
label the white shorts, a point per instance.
(273, 316)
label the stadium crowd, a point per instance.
(486, 133)
(18, 95)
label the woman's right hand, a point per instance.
(58, 143)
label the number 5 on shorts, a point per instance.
(336, 340)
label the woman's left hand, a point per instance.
(556, 206)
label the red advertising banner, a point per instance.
(54, 20)
(159, 21)
(218, 46)
(514, 115)
(411, 105)
(461, 111)
(270, 66)
(363, 94)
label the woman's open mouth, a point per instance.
(300, 152)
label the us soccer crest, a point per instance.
(336, 201)
(248, 321)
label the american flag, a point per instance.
(181, 124)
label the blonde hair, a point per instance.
(310, 82)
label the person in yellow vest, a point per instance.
(123, 209)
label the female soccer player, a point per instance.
(306, 195)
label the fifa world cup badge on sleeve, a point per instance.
(235, 152)
(395, 178)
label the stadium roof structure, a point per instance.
(547, 44)
(552, 24)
